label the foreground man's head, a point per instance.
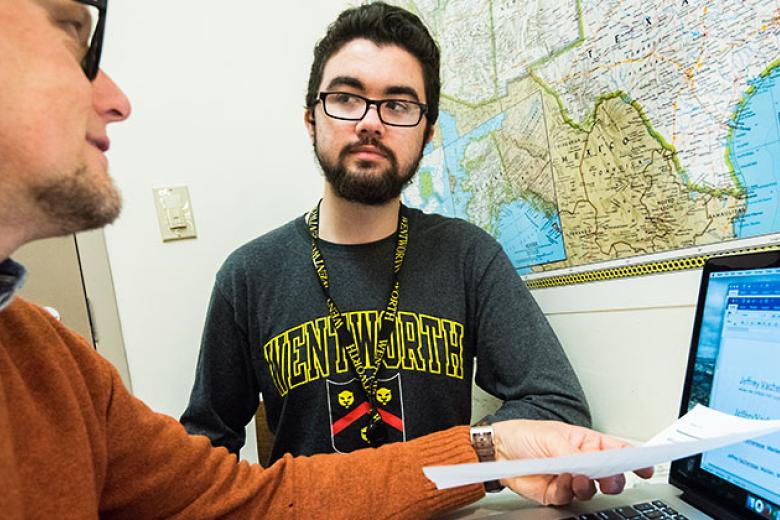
(53, 118)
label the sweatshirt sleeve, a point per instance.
(225, 394)
(156, 470)
(519, 358)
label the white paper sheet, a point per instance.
(702, 429)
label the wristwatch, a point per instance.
(482, 442)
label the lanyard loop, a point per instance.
(377, 431)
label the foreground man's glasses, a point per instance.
(91, 62)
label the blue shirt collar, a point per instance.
(12, 277)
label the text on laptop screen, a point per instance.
(736, 371)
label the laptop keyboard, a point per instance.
(646, 510)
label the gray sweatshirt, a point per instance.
(267, 332)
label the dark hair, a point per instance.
(382, 24)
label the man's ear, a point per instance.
(308, 121)
(429, 131)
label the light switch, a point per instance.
(174, 213)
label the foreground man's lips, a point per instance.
(101, 143)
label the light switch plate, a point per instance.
(174, 213)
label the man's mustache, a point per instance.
(368, 141)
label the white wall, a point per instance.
(628, 341)
(218, 90)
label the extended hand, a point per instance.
(524, 439)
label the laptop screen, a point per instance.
(734, 367)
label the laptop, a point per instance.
(734, 367)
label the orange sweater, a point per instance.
(75, 444)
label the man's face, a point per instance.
(368, 161)
(53, 119)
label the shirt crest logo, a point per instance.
(348, 410)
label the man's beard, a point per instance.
(367, 188)
(78, 203)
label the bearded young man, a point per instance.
(73, 442)
(360, 322)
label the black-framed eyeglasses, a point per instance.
(91, 61)
(352, 107)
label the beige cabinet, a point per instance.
(71, 275)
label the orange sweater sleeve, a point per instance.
(144, 465)
(155, 468)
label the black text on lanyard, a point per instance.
(377, 430)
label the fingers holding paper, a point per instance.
(560, 451)
(524, 439)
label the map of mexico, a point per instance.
(578, 132)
